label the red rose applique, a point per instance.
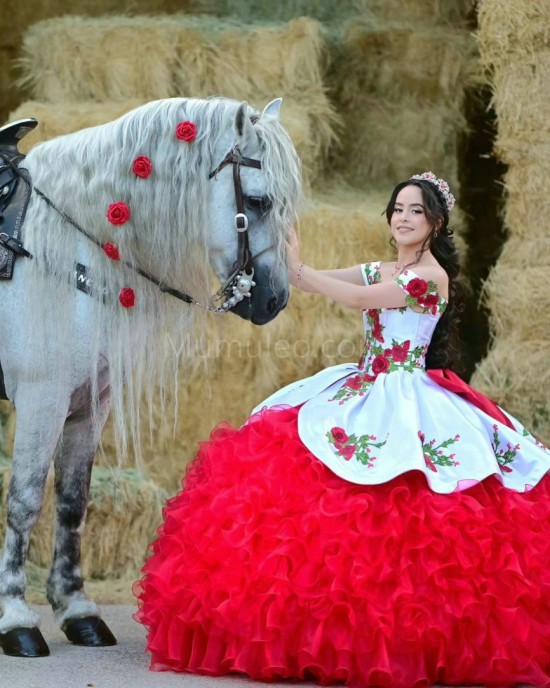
(111, 250)
(127, 297)
(429, 463)
(348, 451)
(354, 382)
(417, 287)
(142, 166)
(400, 352)
(186, 131)
(430, 300)
(380, 364)
(118, 213)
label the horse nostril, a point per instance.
(272, 305)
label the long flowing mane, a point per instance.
(85, 172)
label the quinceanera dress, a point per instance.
(367, 526)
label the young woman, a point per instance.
(375, 524)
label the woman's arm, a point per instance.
(351, 275)
(352, 295)
(384, 295)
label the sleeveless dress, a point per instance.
(366, 526)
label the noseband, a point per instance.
(239, 283)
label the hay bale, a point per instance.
(23, 14)
(508, 26)
(521, 99)
(57, 119)
(136, 59)
(117, 58)
(252, 10)
(526, 253)
(519, 301)
(123, 513)
(392, 91)
(376, 142)
(513, 39)
(393, 57)
(446, 11)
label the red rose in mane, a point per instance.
(142, 166)
(127, 297)
(186, 131)
(112, 251)
(118, 213)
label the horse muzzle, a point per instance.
(264, 305)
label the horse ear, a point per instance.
(273, 108)
(244, 128)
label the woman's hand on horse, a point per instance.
(293, 255)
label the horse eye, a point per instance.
(261, 203)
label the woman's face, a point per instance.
(409, 225)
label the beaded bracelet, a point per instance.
(299, 273)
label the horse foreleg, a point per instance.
(78, 616)
(37, 431)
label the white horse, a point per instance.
(141, 202)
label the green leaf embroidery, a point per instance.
(355, 446)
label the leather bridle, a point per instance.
(235, 289)
(240, 282)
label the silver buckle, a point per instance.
(241, 216)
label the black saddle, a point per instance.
(15, 191)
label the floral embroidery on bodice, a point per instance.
(395, 338)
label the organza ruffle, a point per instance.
(270, 565)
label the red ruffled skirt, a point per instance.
(270, 565)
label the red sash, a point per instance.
(448, 380)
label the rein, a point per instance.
(238, 284)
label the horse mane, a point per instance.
(83, 173)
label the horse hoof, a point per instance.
(24, 642)
(90, 631)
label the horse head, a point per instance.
(258, 177)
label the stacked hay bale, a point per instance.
(402, 96)
(119, 62)
(515, 48)
(18, 16)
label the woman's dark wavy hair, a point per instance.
(444, 350)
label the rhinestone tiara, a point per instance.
(441, 185)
